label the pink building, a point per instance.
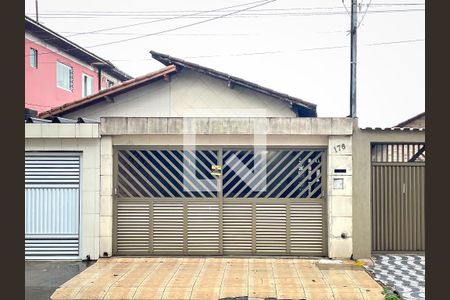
(58, 71)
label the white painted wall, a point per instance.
(188, 94)
(148, 101)
(62, 137)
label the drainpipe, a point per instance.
(99, 66)
(99, 78)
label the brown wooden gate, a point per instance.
(398, 197)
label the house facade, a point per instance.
(58, 71)
(194, 161)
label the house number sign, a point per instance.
(339, 148)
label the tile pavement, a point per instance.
(209, 278)
(403, 273)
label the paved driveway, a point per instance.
(219, 278)
(404, 273)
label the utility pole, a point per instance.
(37, 10)
(354, 25)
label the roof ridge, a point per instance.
(401, 124)
(167, 59)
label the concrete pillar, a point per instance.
(106, 196)
(340, 231)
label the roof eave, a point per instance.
(112, 91)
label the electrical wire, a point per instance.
(131, 13)
(220, 16)
(271, 52)
(182, 27)
(246, 15)
(164, 31)
(362, 18)
(167, 30)
(158, 20)
(282, 51)
(346, 9)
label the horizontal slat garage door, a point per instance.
(275, 197)
(178, 206)
(52, 199)
(224, 201)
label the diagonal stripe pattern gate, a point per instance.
(219, 201)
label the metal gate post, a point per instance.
(220, 195)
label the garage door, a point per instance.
(52, 205)
(219, 201)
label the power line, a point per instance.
(158, 20)
(200, 11)
(367, 8)
(219, 16)
(395, 42)
(167, 30)
(183, 26)
(283, 51)
(205, 16)
(309, 49)
(201, 34)
(346, 9)
(272, 52)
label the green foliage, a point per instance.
(390, 295)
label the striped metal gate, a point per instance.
(219, 201)
(52, 205)
(398, 197)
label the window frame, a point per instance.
(83, 86)
(70, 89)
(34, 54)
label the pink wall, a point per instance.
(41, 92)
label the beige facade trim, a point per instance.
(59, 130)
(177, 125)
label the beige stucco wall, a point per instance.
(187, 94)
(84, 139)
(197, 95)
(340, 199)
(362, 181)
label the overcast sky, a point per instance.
(298, 47)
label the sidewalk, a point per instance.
(217, 278)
